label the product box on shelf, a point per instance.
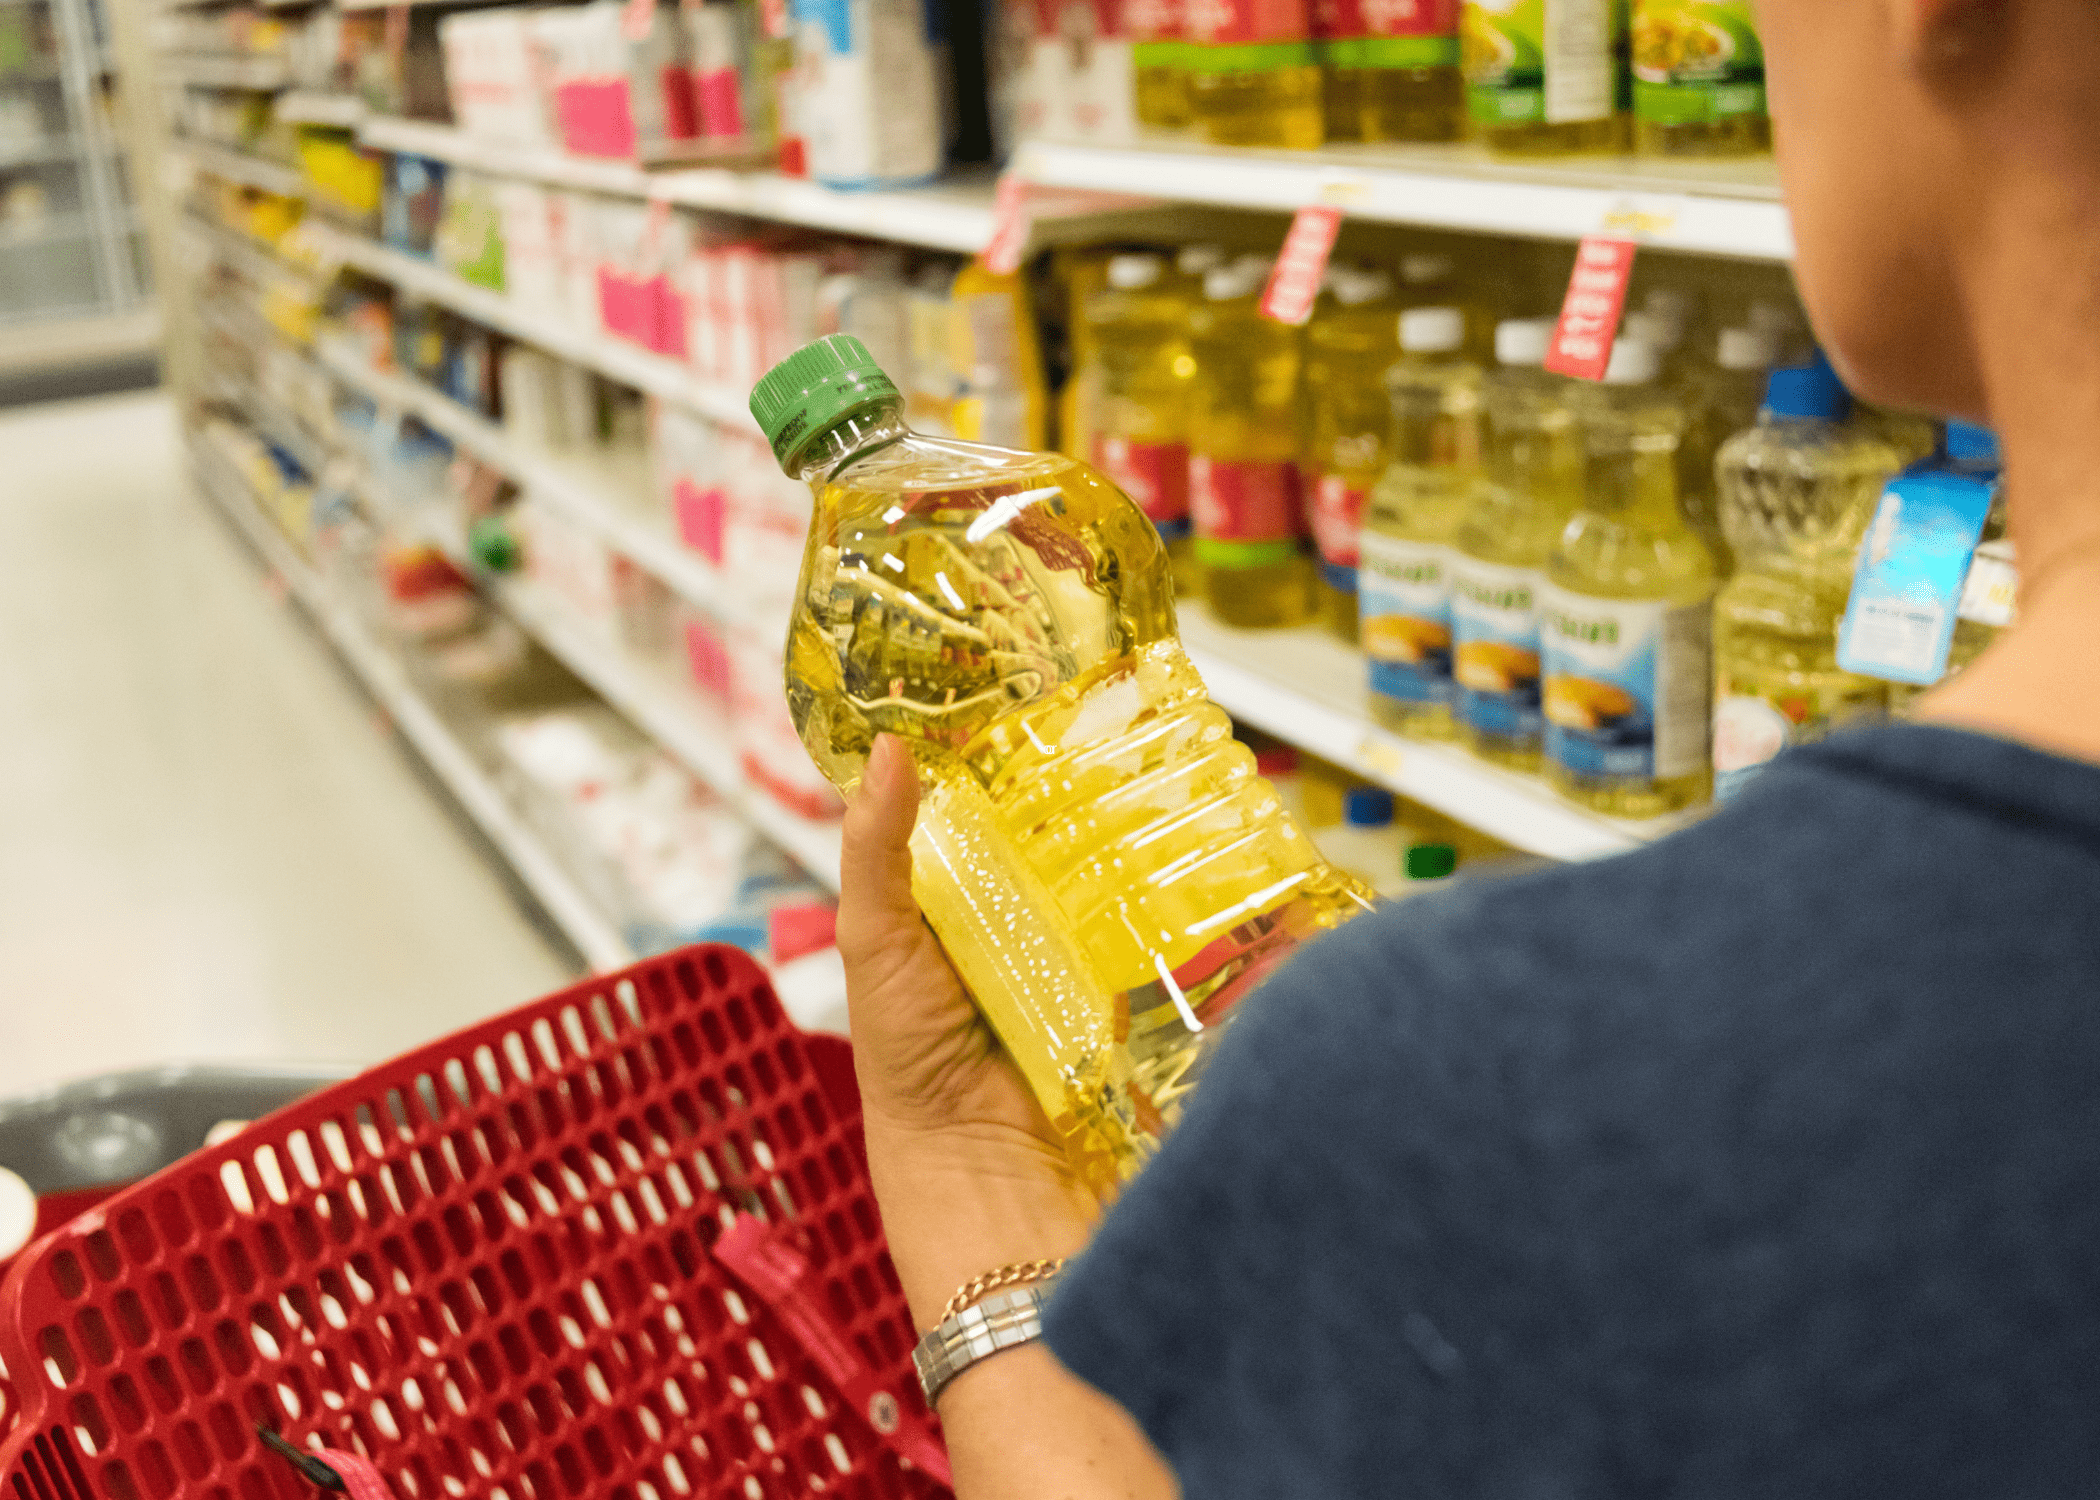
(866, 91)
(1082, 82)
(495, 74)
(619, 87)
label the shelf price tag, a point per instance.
(1010, 225)
(1589, 316)
(1380, 756)
(1294, 281)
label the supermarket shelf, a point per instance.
(44, 148)
(62, 343)
(590, 930)
(953, 215)
(610, 357)
(1307, 688)
(311, 107)
(249, 257)
(596, 492)
(207, 70)
(240, 167)
(1722, 208)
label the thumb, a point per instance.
(875, 903)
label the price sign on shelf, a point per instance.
(1294, 281)
(1589, 316)
(1010, 225)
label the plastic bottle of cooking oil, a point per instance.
(1720, 399)
(1083, 273)
(1698, 79)
(1254, 73)
(1158, 56)
(1797, 493)
(1349, 345)
(1138, 329)
(1392, 71)
(1093, 848)
(1243, 451)
(1543, 79)
(1626, 622)
(1499, 556)
(1432, 483)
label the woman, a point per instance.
(1764, 1161)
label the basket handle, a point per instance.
(777, 1273)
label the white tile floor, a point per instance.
(208, 850)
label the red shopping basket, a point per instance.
(617, 1243)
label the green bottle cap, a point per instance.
(1431, 861)
(494, 546)
(813, 389)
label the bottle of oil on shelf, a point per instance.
(1254, 73)
(1139, 328)
(1408, 84)
(1093, 848)
(1349, 345)
(1543, 79)
(1698, 79)
(1499, 556)
(1626, 622)
(1243, 455)
(1160, 60)
(1429, 487)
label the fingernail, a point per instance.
(882, 761)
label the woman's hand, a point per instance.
(969, 1173)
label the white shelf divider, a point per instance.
(1307, 688)
(1721, 208)
(613, 358)
(594, 935)
(592, 491)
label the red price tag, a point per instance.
(1589, 318)
(1010, 225)
(1294, 282)
(653, 227)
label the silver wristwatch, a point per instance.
(1001, 1321)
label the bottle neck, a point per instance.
(849, 438)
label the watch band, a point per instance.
(1003, 1320)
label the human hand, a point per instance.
(969, 1173)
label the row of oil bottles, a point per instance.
(1668, 77)
(1605, 581)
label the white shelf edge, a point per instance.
(954, 215)
(315, 107)
(677, 726)
(590, 930)
(230, 71)
(238, 166)
(613, 358)
(1660, 205)
(1520, 810)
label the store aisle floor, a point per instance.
(207, 848)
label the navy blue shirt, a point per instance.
(1764, 1161)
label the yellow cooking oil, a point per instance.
(1159, 63)
(1431, 482)
(1798, 490)
(1081, 271)
(1138, 338)
(1094, 849)
(1498, 559)
(1698, 79)
(1626, 623)
(1243, 455)
(1398, 70)
(1254, 73)
(1349, 345)
(1544, 79)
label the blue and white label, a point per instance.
(1404, 602)
(1628, 685)
(1495, 646)
(1908, 583)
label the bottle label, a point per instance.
(1154, 24)
(1539, 61)
(1696, 62)
(1628, 685)
(1155, 475)
(1338, 520)
(1908, 581)
(1495, 650)
(1250, 507)
(1390, 33)
(1404, 601)
(1750, 729)
(1250, 36)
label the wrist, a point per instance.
(960, 1202)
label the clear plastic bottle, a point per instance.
(1366, 843)
(1254, 74)
(1720, 400)
(1139, 335)
(1432, 483)
(1094, 849)
(1544, 81)
(1349, 345)
(1797, 493)
(1393, 73)
(1243, 452)
(1698, 79)
(1159, 60)
(1627, 619)
(1499, 557)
